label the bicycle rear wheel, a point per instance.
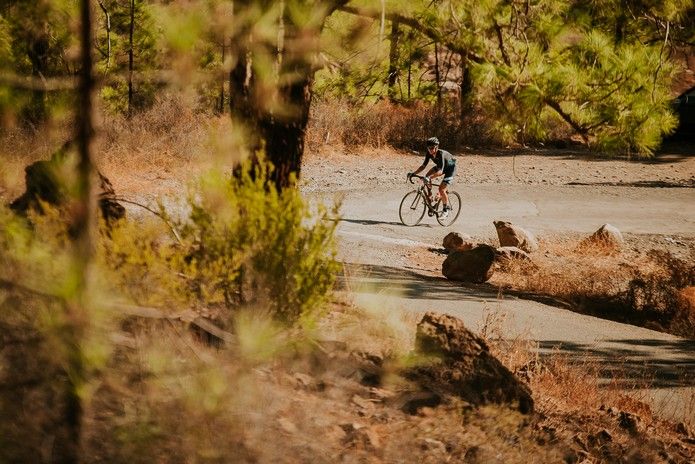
(412, 208)
(455, 204)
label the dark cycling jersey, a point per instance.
(442, 159)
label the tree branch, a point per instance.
(581, 130)
(500, 43)
(430, 32)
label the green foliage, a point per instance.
(114, 62)
(246, 238)
(544, 63)
(37, 286)
(242, 244)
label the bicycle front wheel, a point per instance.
(412, 208)
(455, 204)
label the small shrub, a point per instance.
(647, 290)
(242, 244)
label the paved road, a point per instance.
(384, 274)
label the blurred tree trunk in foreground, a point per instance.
(280, 117)
(82, 222)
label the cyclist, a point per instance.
(444, 165)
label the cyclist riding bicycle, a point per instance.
(444, 165)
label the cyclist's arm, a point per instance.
(435, 172)
(422, 166)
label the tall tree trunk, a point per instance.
(107, 17)
(410, 75)
(131, 58)
(620, 23)
(466, 91)
(284, 134)
(83, 218)
(220, 107)
(437, 77)
(393, 60)
(36, 111)
(283, 131)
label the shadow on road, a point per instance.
(641, 183)
(413, 284)
(628, 364)
(671, 152)
(370, 222)
(622, 363)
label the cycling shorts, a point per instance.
(449, 172)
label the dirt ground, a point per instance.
(333, 169)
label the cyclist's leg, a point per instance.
(443, 193)
(449, 172)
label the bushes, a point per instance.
(656, 291)
(646, 289)
(242, 244)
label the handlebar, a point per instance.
(426, 179)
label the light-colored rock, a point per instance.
(456, 241)
(510, 252)
(608, 236)
(432, 445)
(287, 425)
(515, 236)
(473, 265)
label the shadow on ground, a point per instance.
(412, 284)
(628, 364)
(371, 222)
(642, 183)
(622, 363)
(672, 151)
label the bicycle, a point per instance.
(416, 202)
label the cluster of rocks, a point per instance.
(468, 261)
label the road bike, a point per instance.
(420, 201)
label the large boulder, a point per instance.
(46, 184)
(474, 265)
(515, 236)
(456, 241)
(607, 236)
(463, 365)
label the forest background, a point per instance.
(264, 79)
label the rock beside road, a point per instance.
(474, 265)
(465, 367)
(515, 236)
(456, 241)
(607, 236)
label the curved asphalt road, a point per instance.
(383, 274)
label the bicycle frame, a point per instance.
(426, 194)
(425, 190)
(408, 212)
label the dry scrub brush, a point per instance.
(648, 289)
(169, 140)
(383, 124)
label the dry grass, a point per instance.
(642, 288)
(156, 152)
(383, 124)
